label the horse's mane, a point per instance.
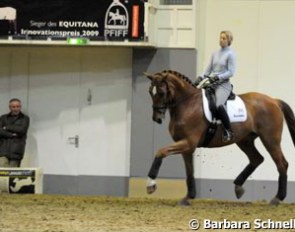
(178, 75)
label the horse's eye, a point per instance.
(161, 94)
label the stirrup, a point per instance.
(228, 135)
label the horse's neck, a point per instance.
(186, 110)
(188, 92)
(191, 97)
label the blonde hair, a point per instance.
(229, 36)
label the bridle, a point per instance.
(161, 108)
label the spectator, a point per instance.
(13, 135)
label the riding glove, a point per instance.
(199, 79)
(213, 79)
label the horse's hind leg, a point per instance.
(248, 147)
(277, 155)
(190, 180)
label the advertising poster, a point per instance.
(58, 19)
(21, 180)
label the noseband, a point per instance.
(161, 108)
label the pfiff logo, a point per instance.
(116, 20)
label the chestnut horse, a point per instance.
(173, 91)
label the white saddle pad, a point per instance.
(236, 109)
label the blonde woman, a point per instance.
(220, 69)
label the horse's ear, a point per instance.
(149, 76)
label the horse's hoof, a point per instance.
(151, 189)
(275, 201)
(184, 202)
(239, 190)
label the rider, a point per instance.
(221, 67)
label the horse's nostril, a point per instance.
(157, 120)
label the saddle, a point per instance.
(235, 106)
(209, 93)
(236, 110)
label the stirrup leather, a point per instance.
(228, 135)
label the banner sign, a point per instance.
(94, 19)
(21, 180)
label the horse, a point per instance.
(172, 91)
(116, 16)
(9, 14)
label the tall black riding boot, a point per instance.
(228, 133)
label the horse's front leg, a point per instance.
(151, 185)
(178, 147)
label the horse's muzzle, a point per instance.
(158, 117)
(159, 113)
(157, 120)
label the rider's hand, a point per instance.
(199, 79)
(213, 79)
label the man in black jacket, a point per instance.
(13, 135)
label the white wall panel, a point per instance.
(72, 91)
(263, 40)
(105, 120)
(5, 80)
(54, 101)
(242, 18)
(276, 67)
(172, 26)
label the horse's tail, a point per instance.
(289, 117)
